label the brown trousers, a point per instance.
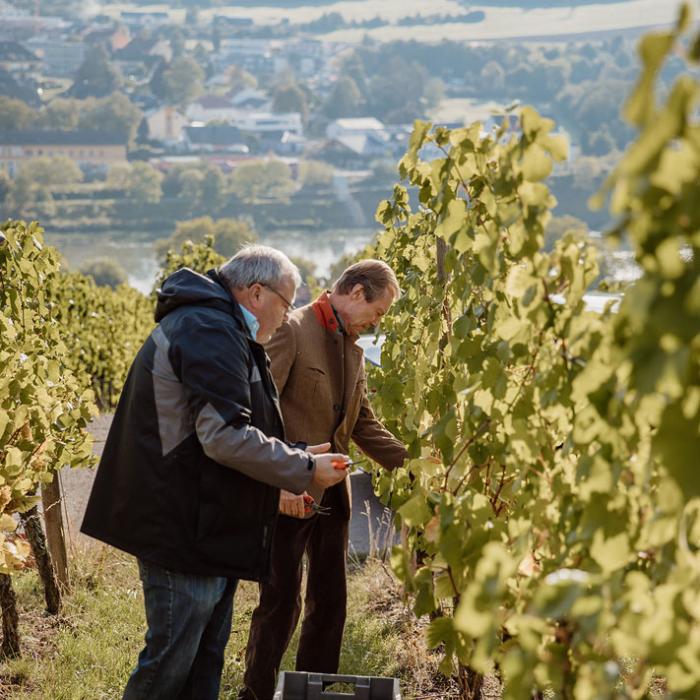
(324, 538)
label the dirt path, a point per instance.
(78, 482)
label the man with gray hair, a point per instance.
(192, 468)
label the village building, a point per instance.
(166, 124)
(60, 58)
(213, 138)
(16, 58)
(209, 108)
(89, 149)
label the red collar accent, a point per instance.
(325, 314)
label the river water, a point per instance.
(135, 252)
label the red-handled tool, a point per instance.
(310, 506)
(346, 464)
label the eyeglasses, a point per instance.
(287, 303)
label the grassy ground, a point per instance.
(88, 653)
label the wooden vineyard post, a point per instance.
(10, 619)
(35, 534)
(52, 500)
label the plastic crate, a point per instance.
(294, 685)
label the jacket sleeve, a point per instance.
(375, 440)
(213, 362)
(282, 350)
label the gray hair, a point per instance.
(258, 263)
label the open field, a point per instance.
(510, 22)
(500, 22)
(263, 13)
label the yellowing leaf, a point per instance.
(511, 327)
(536, 164)
(653, 49)
(454, 219)
(415, 511)
(558, 146)
(669, 257)
(610, 552)
(473, 617)
(7, 523)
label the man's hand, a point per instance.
(327, 473)
(319, 449)
(291, 504)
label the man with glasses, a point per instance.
(319, 372)
(191, 472)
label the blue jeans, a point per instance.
(189, 622)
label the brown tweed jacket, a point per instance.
(320, 377)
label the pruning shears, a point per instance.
(310, 506)
(347, 464)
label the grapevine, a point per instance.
(551, 503)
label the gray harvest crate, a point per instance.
(293, 685)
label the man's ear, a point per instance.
(357, 293)
(254, 292)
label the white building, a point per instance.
(166, 124)
(268, 123)
(361, 126)
(210, 108)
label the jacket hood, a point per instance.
(186, 287)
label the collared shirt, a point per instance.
(341, 325)
(327, 316)
(250, 321)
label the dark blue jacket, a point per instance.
(190, 475)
